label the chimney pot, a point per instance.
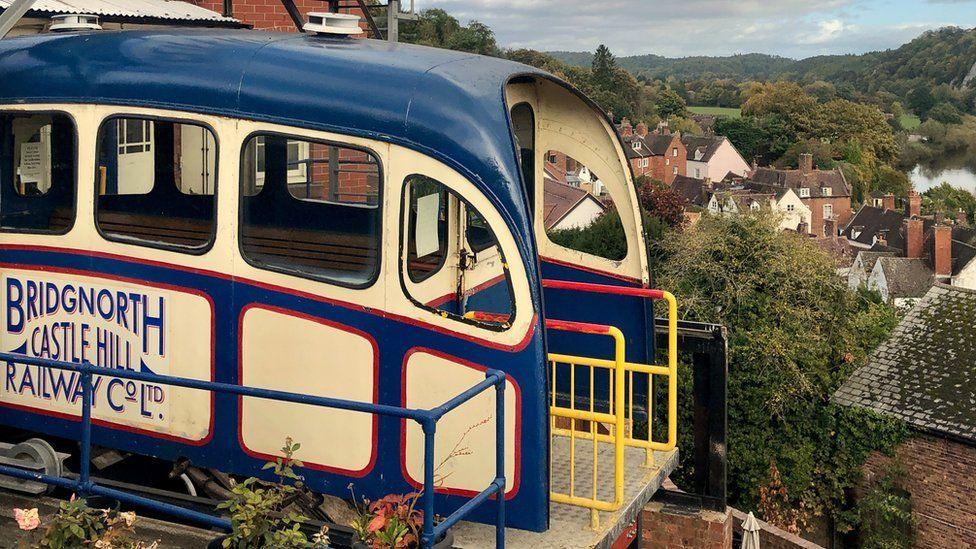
(642, 129)
(962, 218)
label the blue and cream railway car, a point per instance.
(319, 215)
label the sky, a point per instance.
(679, 28)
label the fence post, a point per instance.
(429, 425)
(500, 457)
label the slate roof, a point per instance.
(707, 144)
(871, 221)
(795, 179)
(963, 248)
(690, 189)
(869, 258)
(906, 277)
(651, 145)
(559, 200)
(925, 374)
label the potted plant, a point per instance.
(391, 522)
(77, 525)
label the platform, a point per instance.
(569, 526)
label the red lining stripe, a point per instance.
(602, 288)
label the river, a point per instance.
(958, 175)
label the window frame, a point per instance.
(5, 110)
(201, 250)
(380, 213)
(402, 267)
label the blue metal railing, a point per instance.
(426, 418)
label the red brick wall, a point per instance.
(268, 14)
(684, 529)
(841, 207)
(771, 537)
(941, 477)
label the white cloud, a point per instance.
(676, 28)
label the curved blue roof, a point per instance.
(447, 104)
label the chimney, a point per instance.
(642, 129)
(626, 129)
(882, 238)
(962, 218)
(888, 202)
(939, 217)
(914, 237)
(803, 228)
(806, 162)
(914, 204)
(830, 228)
(663, 128)
(943, 250)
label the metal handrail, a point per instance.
(426, 418)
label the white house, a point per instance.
(713, 157)
(901, 281)
(568, 207)
(794, 212)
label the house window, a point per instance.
(825, 191)
(828, 211)
(636, 145)
(325, 227)
(754, 206)
(697, 173)
(551, 158)
(667, 161)
(37, 172)
(298, 161)
(804, 192)
(155, 182)
(790, 208)
(674, 170)
(674, 152)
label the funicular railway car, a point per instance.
(326, 216)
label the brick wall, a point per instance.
(841, 207)
(771, 537)
(268, 14)
(667, 526)
(941, 477)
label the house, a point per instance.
(568, 207)
(732, 196)
(694, 192)
(659, 155)
(114, 15)
(901, 281)
(825, 192)
(863, 266)
(713, 157)
(923, 375)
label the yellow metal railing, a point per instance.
(618, 415)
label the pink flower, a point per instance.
(27, 519)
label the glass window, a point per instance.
(523, 124)
(579, 214)
(155, 183)
(37, 172)
(311, 208)
(473, 282)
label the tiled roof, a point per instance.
(925, 374)
(869, 258)
(906, 277)
(870, 221)
(813, 180)
(706, 144)
(651, 145)
(690, 189)
(559, 200)
(166, 10)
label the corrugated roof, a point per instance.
(174, 10)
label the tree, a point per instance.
(920, 100)
(795, 332)
(946, 113)
(670, 104)
(660, 201)
(604, 67)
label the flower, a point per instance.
(27, 519)
(128, 518)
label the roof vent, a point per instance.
(74, 22)
(335, 24)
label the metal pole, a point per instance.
(84, 465)
(12, 15)
(427, 537)
(228, 8)
(393, 21)
(500, 460)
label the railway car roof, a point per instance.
(447, 104)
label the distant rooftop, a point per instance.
(925, 374)
(148, 11)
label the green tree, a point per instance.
(670, 104)
(795, 332)
(604, 67)
(946, 113)
(920, 100)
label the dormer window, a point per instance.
(754, 206)
(825, 191)
(637, 145)
(804, 192)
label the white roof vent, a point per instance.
(340, 24)
(74, 22)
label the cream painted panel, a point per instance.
(405, 162)
(115, 324)
(564, 123)
(465, 438)
(291, 353)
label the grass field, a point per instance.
(909, 121)
(717, 111)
